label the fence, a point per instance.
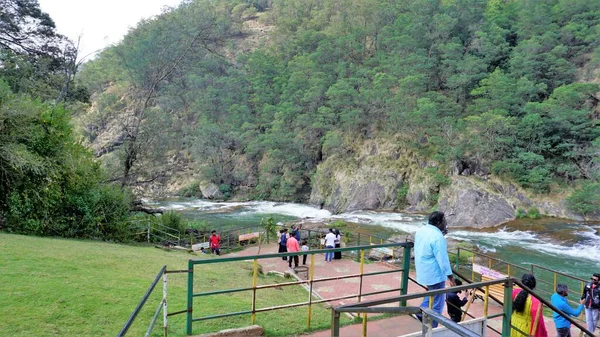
(428, 315)
(546, 278)
(255, 288)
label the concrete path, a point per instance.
(395, 326)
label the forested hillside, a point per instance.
(488, 88)
(50, 184)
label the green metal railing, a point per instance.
(507, 283)
(255, 288)
(546, 278)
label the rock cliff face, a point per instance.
(374, 174)
(367, 179)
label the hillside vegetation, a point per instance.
(490, 87)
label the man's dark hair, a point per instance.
(436, 218)
(213, 232)
(562, 288)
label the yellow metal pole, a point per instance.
(509, 270)
(310, 286)
(362, 269)
(364, 327)
(472, 270)
(486, 301)
(370, 240)
(555, 281)
(380, 241)
(490, 263)
(254, 284)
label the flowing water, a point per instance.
(570, 247)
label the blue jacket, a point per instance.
(561, 303)
(431, 256)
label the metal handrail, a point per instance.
(310, 281)
(140, 305)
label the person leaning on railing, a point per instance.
(527, 318)
(559, 300)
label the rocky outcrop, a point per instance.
(468, 202)
(367, 179)
(374, 174)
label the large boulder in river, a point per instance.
(472, 203)
(210, 191)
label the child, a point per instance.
(304, 249)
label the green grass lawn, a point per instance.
(60, 287)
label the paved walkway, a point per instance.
(395, 326)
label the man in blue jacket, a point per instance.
(431, 260)
(559, 300)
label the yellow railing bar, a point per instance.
(254, 284)
(310, 286)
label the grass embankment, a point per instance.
(59, 287)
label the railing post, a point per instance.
(165, 332)
(190, 296)
(357, 244)
(427, 325)
(360, 281)
(335, 323)
(508, 289)
(405, 272)
(457, 263)
(310, 285)
(254, 284)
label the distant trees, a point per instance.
(49, 183)
(493, 83)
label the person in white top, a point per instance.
(329, 243)
(304, 249)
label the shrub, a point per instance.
(533, 213)
(585, 200)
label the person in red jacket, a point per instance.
(215, 243)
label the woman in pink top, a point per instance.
(292, 247)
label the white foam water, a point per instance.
(585, 244)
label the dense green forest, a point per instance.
(254, 95)
(500, 87)
(50, 184)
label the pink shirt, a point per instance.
(292, 245)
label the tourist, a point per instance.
(293, 247)
(215, 243)
(559, 300)
(296, 231)
(455, 303)
(282, 241)
(431, 260)
(527, 311)
(329, 244)
(304, 249)
(338, 240)
(591, 295)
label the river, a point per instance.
(570, 247)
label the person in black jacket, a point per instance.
(591, 295)
(454, 303)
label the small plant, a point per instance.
(533, 213)
(338, 224)
(521, 213)
(401, 196)
(270, 227)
